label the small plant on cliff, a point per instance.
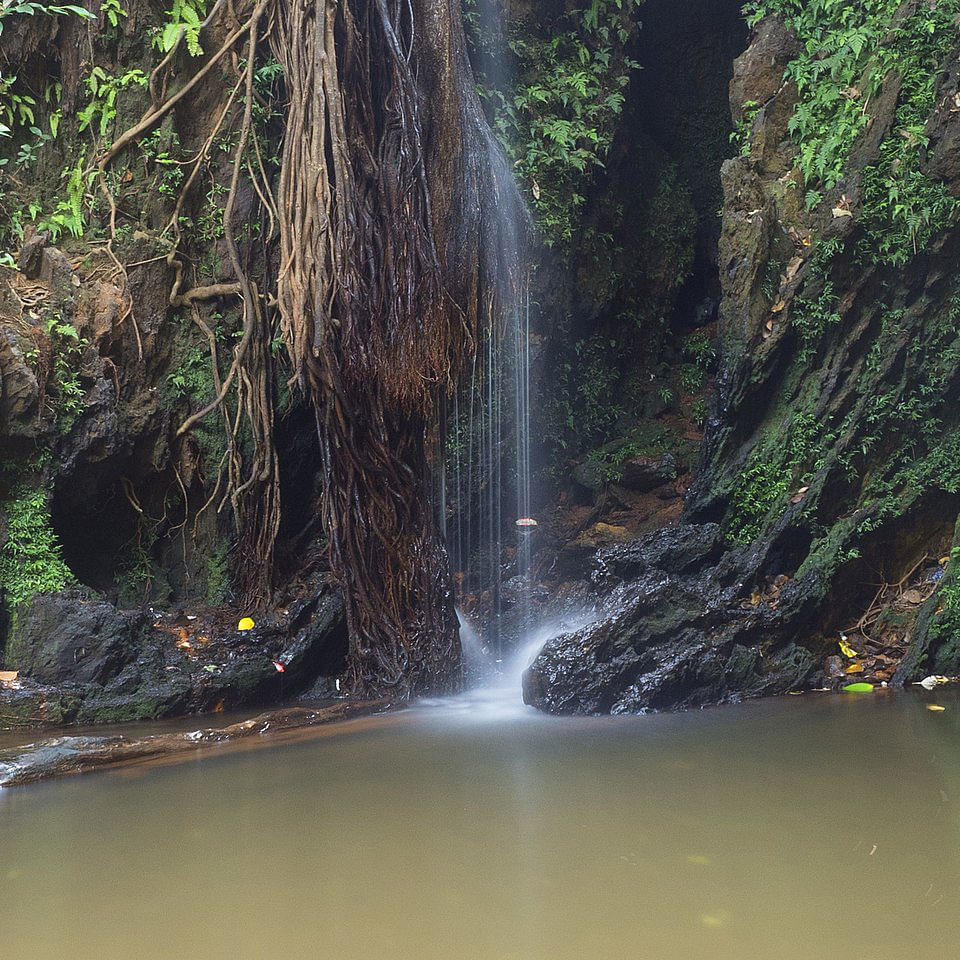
(104, 89)
(31, 561)
(69, 212)
(767, 477)
(17, 108)
(186, 17)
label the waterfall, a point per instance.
(488, 482)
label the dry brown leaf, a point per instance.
(778, 306)
(792, 267)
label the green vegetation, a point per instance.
(851, 52)
(103, 89)
(648, 440)
(557, 120)
(579, 411)
(771, 471)
(944, 629)
(17, 109)
(31, 560)
(184, 17)
(218, 576)
(742, 133)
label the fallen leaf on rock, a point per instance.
(846, 649)
(778, 306)
(840, 212)
(935, 708)
(854, 668)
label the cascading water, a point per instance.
(487, 463)
(487, 458)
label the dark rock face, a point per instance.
(83, 660)
(681, 632)
(65, 637)
(647, 473)
(758, 73)
(19, 390)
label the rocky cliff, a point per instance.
(828, 487)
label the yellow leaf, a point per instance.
(943, 561)
(935, 708)
(246, 624)
(847, 650)
(854, 668)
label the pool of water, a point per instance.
(809, 827)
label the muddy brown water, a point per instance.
(813, 828)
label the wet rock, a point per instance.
(49, 265)
(588, 474)
(678, 634)
(683, 550)
(943, 130)
(646, 473)
(758, 72)
(61, 756)
(19, 389)
(86, 661)
(67, 637)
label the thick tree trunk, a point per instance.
(389, 268)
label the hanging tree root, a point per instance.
(252, 488)
(391, 197)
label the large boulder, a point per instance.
(680, 629)
(67, 637)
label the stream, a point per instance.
(810, 827)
